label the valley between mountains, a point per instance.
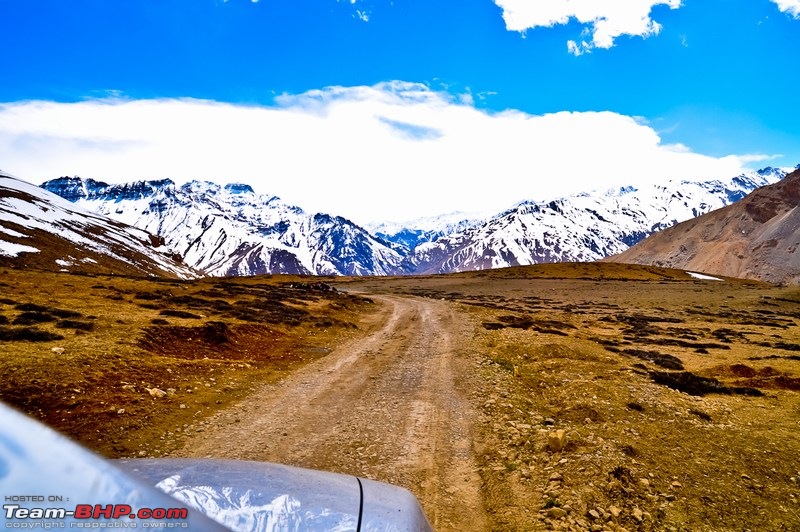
(597, 396)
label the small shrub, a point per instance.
(215, 332)
(787, 347)
(551, 503)
(635, 406)
(692, 384)
(179, 314)
(146, 296)
(63, 313)
(75, 324)
(516, 322)
(659, 359)
(622, 473)
(27, 334)
(628, 450)
(31, 307)
(32, 318)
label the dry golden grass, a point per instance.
(124, 337)
(554, 341)
(577, 348)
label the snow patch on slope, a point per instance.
(703, 277)
(10, 249)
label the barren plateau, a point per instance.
(564, 397)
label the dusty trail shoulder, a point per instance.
(390, 406)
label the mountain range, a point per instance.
(582, 227)
(202, 228)
(231, 230)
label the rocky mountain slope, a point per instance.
(40, 230)
(231, 230)
(582, 227)
(755, 238)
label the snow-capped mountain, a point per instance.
(231, 230)
(582, 227)
(40, 230)
(406, 236)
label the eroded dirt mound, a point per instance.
(215, 339)
(766, 377)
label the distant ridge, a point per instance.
(755, 238)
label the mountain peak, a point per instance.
(136, 189)
(239, 188)
(74, 188)
(766, 171)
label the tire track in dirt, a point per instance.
(389, 406)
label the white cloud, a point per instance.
(360, 14)
(392, 151)
(578, 49)
(605, 20)
(789, 6)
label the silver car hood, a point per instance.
(271, 497)
(48, 481)
(44, 474)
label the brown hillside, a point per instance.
(41, 231)
(755, 238)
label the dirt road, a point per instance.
(390, 406)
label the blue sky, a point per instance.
(685, 89)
